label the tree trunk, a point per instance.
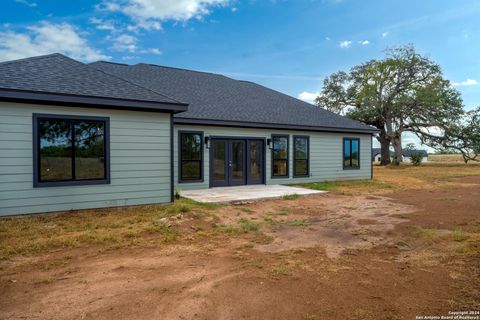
(384, 148)
(397, 146)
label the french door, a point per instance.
(235, 162)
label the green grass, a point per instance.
(282, 269)
(292, 196)
(244, 209)
(459, 236)
(425, 233)
(204, 205)
(244, 226)
(334, 186)
(247, 225)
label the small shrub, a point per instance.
(177, 194)
(178, 208)
(415, 157)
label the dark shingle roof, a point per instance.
(56, 74)
(218, 98)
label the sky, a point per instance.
(289, 46)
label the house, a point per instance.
(377, 156)
(76, 136)
(406, 153)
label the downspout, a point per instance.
(371, 160)
(172, 180)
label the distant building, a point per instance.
(406, 154)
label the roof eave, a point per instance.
(23, 96)
(210, 122)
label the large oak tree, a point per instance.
(403, 92)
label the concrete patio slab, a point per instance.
(245, 193)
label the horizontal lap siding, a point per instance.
(139, 162)
(325, 154)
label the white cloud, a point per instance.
(128, 43)
(346, 44)
(327, 38)
(385, 34)
(364, 42)
(468, 82)
(103, 24)
(46, 38)
(125, 42)
(152, 51)
(28, 4)
(308, 96)
(148, 14)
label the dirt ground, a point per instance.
(349, 254)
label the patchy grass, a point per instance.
(203, 205)
(244, 226)
(282, 269)
(425, 233)
(117, 228)
(297, 223)
(247, 225)
(393, 178)
(245, 209)
(459, 236)
(292, 196)
(367, 186)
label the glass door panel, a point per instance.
(219, 163)
(255, 161)
(237, 162)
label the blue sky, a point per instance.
(290, 46)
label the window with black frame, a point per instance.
(191, 156)
(351, 153)
(301, 156)
(71, 150)
(279, 156)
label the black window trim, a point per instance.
(273, 136)
(180, 180)
(308, 157)
(350, 167)
(37, 183)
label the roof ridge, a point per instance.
(111, 62)
(177, 68)
(35, 57)
(137, 85)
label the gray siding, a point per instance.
(325, 154)
(139, 160)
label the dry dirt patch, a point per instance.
(332, 222)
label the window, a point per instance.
(280, 156)
(70, 150)
(191, 156)
(301, 150)
(351, 153)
